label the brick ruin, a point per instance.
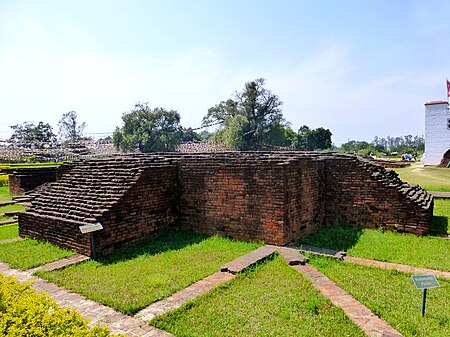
(22, 180)
(273, 197)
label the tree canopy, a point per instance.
(69, 128)
(27, 134)
(148, 130)
(309, 140)
(249, 120)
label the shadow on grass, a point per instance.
(166, 242)
(336, 238)
(439, 225)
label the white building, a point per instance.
(437, 133)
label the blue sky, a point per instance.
(361, 68)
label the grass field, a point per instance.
(426, 251)
(9, 208)
(4, 193)
(9, 232)
(441, 219)
(140, 275)
(27, 253)
(430, 178)
(393, 296)
(272, 299)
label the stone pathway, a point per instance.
(321, 251)
(440, 194)
(137, 326)
(8, 222)
(371, 324)
(98, 314)
(179, 298)
(10, 240)
(396, 266)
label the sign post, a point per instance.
(91, 228)
(424, 282)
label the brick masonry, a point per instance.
(22, 180)
(260, 196)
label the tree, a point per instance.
(308, 139)
(69, 129)
(29, 135)
(149, 130)
(189, 135)
(248, 119)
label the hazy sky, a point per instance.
(361, 68)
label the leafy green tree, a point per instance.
(249, 119)
(308, 139)
(69, 128)
(29, 135)
(149, 130)
(189, 135)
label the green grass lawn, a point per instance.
(426, 251)
(27, 253)
(392, 296)
(135, 277)
(441, 219)
(430, 178)
(271, 299)
(4, 193)
(9, 232)
(9, 208)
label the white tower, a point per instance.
(437, 132)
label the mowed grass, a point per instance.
(135, 277)
(9, 208)
(4, 193)
(392, 296)
(271, 299)
(28, 253)
(389, 246)
(430, 178)
(441, 220)
(9, 232)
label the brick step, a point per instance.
(292, 256)
(8, 222)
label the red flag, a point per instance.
(448, 88)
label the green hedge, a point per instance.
(4, 181)
(23, 312)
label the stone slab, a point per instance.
(8, 222)
(292, 256)
(245, 261)
(68, 261)
(322, 251)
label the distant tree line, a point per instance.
(250, 120)
(388, 145)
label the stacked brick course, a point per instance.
(272, 197)
(22, 180)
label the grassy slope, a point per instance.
(393, 296)
(4, 193)
(137, 276)
(9, 208)
(270, 300)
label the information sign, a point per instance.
(91, 228)
(425, 281)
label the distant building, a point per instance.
(437, 133)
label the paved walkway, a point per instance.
(444, 195)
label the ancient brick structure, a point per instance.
(22, 180)
(272, 197)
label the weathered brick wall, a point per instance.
(146, 209)
(271, 197)
(233, 196)
(22, 180)
(305, 203)
(366, 195)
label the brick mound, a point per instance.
(276, 197)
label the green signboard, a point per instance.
(425, 281)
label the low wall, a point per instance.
(22, 180)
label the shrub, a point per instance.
(4, 181)
(23, 312)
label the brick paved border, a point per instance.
(371, 324)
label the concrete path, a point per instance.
(444, 195)
(10, 240)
